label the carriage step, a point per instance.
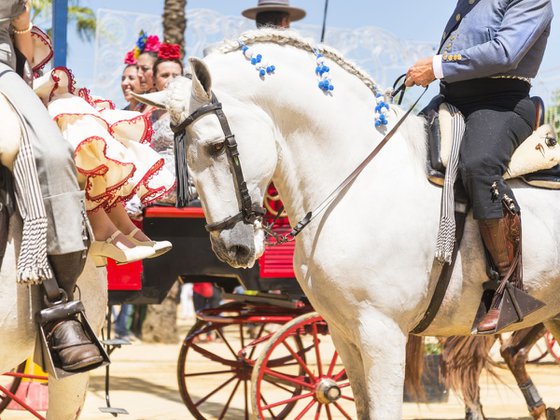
(113, 410)
(116, 342)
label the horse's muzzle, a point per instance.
(235, 246)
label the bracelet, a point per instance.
(23, 31)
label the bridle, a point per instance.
(249, 212)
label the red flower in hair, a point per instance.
(130, 58)
(152, 44)
(169, 52)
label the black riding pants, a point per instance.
(499, 116)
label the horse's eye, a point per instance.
(216, 148)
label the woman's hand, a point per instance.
(21, 22)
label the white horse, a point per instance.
(365, 262)
(17, 326)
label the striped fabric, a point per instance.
(32, 266)
(446, 233)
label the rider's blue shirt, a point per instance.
(489, 38)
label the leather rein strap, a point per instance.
(248, 211)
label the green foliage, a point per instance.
(82, 17)
(432, 346)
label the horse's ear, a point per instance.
(157, 99)
(201, 80)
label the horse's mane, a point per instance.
(286, 37)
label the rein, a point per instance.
(280, 239)
(249, 212)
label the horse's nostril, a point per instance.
(239, 252)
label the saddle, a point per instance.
(536, 161)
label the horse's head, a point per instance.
(231, 155)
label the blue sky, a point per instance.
(420, 20)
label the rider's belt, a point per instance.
(509, 76)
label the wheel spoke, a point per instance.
(290, 400)
(285, 378)
(246, 399)
(226, 342)
(283, 388)
(228, 402)
(339, 375)
(214, 391)
(344, 413)
(267, 409)
(346, 397)
(328, 409)
(217, 372)
(259, 335)
(333, 364)
(300, 361)
(316, 343)
(306, 409)
(318, 412)
(212, 356)
(242, 337)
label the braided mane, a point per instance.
(285, 37)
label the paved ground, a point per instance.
(143, 381)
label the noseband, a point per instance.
(249, 212)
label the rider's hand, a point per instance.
(421, 73)
(21, 22)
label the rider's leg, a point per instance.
(110, 242)
(120, 218)
(491, 137)
(67, 233)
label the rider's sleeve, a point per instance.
(523, 29)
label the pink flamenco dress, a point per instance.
(112, 150)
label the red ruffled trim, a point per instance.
(110, 192)
(146, 136)
(56, 80)
(44, 38)
(150, 173)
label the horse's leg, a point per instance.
(382, 345)
(553, 326)
(67, 396)
(515, 352)
(352, 359)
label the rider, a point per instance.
(489, 53)
(275, 13)
(66, 235)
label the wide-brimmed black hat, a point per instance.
(275, 6)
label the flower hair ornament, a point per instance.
(257, 60)
(144, 43)
(169, 51)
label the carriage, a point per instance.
(268, 335)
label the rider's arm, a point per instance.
(522, 29)
(21, 28)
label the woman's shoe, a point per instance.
(160, 247)
(101, 250)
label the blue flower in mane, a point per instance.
(257, 60)
(381, 110)
(322, 71)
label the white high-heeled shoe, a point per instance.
(160, 247)
(101, 250)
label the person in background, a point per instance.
(129, 84)
(167, 66)
(144, 55)
(274, 13)
(489, 53)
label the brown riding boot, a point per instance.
(502, 239)
(66, 337)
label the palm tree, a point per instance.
(175, 22)
(82, 17)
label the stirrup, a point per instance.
(46, 357)
(515, 305)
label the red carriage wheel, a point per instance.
(213, 377)
(10, 384)
(318, 385)
(553, 346)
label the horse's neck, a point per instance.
(322, 137)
